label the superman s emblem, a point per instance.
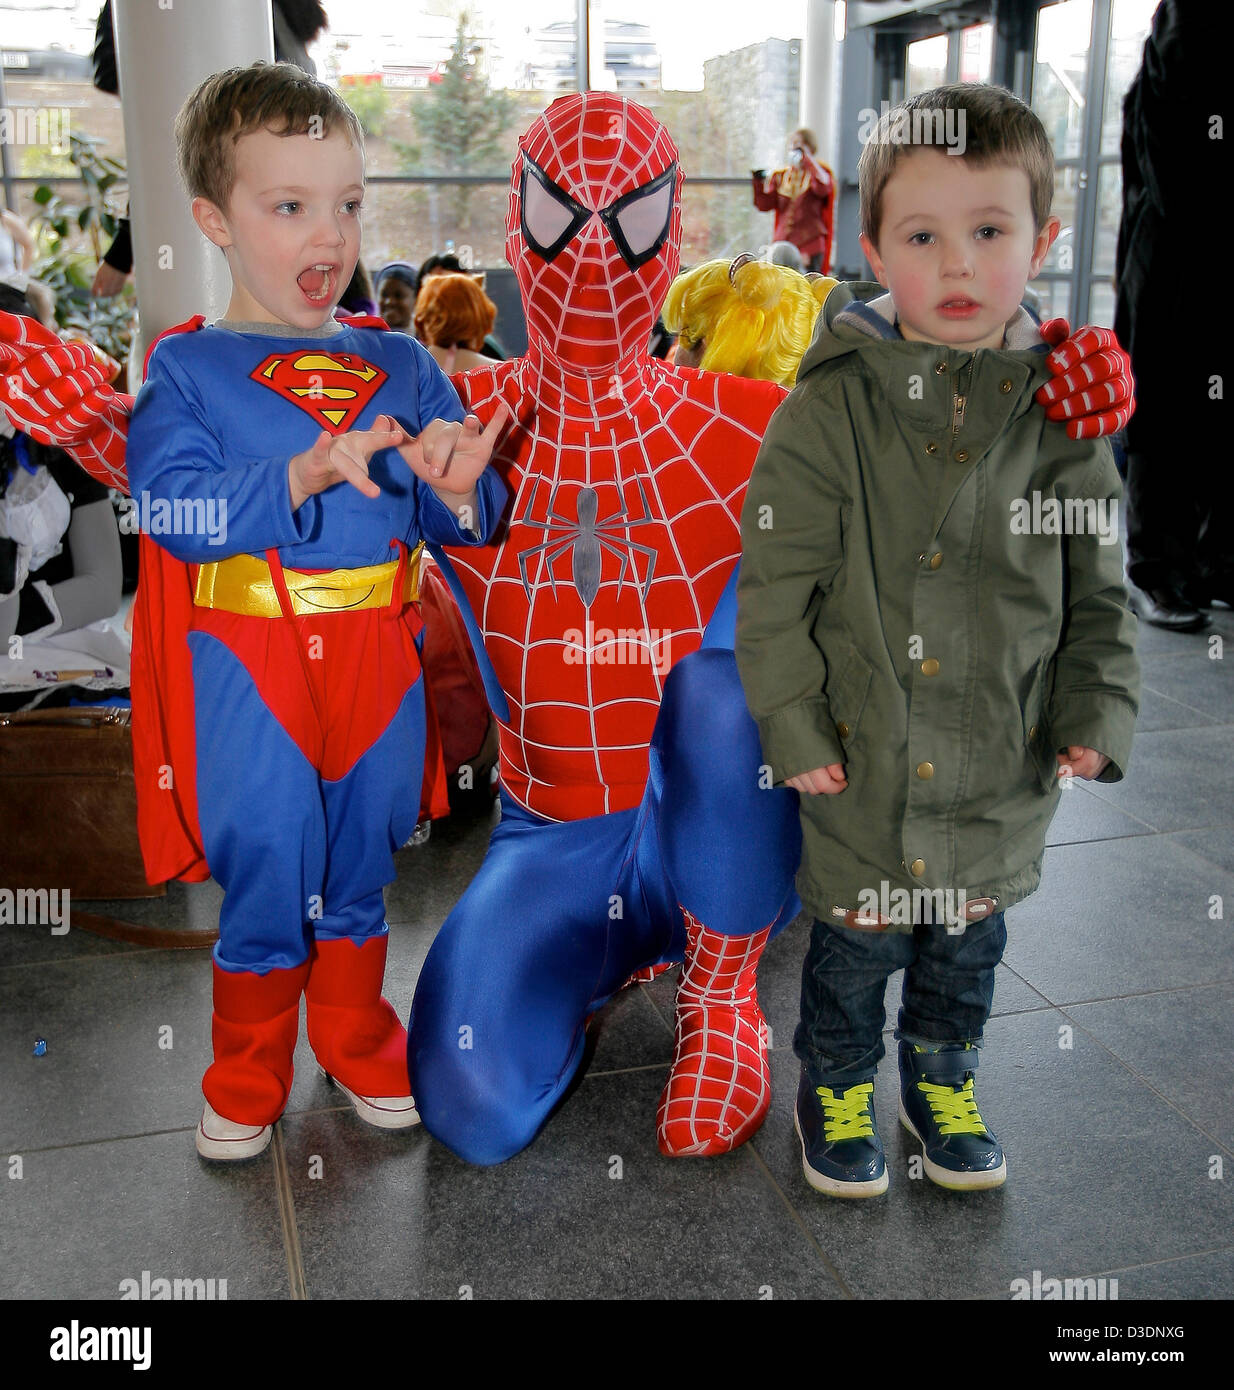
(332, 387)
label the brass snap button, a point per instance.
(941, 368)
(931, 447)
(925, 771)
(930, 667)
(936, 559)
(917, 868)
(1004, 386)
(842, 729)
(961, 455)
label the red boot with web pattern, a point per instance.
(719, 1086)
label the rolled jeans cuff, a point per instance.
(834, 1073)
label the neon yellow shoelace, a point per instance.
(955, 1109)
(847, 1115)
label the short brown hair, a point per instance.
(278, 97)
(998, 128)
(453, 311)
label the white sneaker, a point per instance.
(220, 1138)
(385, 1112)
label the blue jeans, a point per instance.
(948, 991)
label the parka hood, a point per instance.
(855, 316)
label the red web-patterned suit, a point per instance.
(627, 480)
(576, 738)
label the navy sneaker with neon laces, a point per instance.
(841, 1153)
(937, 1105)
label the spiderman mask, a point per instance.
(594, 228)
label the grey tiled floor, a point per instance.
(1107, 1073)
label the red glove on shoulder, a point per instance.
(58, 393)
(1093, 388)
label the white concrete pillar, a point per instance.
(820, 80)
(164, 49)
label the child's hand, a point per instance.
(1082, 762)
(449, 456)
(828, 780)
(339, 458)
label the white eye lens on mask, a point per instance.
(550, 216)
(639, 221)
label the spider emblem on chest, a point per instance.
(585, 539)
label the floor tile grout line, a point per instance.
(155, 1133)
(800, 1220)
(1144, 1081)
(1161, 695)
(1111, 998)
(1106, 801)
(1129, 1269)
(1168, 1260)
(141, 952)
(287, 1218)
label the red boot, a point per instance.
(246, 1086)
(719, 1087)
(355, 1033)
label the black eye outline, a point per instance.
(578, 213)
(609, 215)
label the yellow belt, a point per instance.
(242, 584)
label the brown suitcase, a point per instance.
(68, 806)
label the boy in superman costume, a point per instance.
(273, 454)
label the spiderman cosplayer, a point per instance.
(636, 828)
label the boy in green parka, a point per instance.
(932, 629)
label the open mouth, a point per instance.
(958, 308)
(317, 282)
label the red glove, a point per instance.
(1093, 389)
(58, 393)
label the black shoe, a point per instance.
(938, 1106)
(841, 1152)
(1166, 606)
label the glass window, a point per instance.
(439, 100)
(727, 90)
(1101, 304)
(1062, 255)
(438, 97)
(1130, 22)
(927, 64)
(976, 52)
(1050, 298)
(1109, 215)
(1061, 72)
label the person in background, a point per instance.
(802, 196)
(443, 263)
(16, 244)
(358, 296)
(447, 263)
(747, 317)
(396, 294)
(1180, 502)
(453, 316)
